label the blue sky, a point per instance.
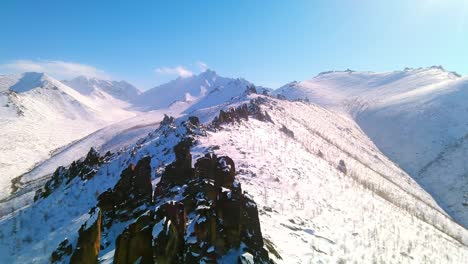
(267, 42)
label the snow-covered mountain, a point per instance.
(239, 175)
(322, 190)
(192, 89)
(62, 112)
(39, 114)
(417, 117)
(121, 90)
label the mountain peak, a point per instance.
(208, 73)
(121, 90)
(433, 69)
(28, 81)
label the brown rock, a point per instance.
(89, 240)
(135, 243)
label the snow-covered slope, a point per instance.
(114, 138)
(39, 114)
(325, 193)
(121, 90)
(417, 117)
(337, 87)
(95, 103)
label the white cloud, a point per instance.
(56, 68)
(202, 66)
(178, 70)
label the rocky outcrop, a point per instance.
(89, 240)
(179, 171)
(168, 233)
(198, 214)
(221, 170)
(287, 131)
(250, 90)
(220, 216)
(131, 191)
(63, 250)
(342, 167)
(167, 120)
(135, 243)
(235, 114)
(85, 169)
(194, 121)
(195, 214)
(242, 112)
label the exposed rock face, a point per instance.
(135, 243)
(342, 167)
(131, 191)
(221, 217)
(89, 240)
(232, 115)
(168, 233)
(85, 169)
(64, 249)
(287, 131)
(236, 114)
(221, 170)
(251, 89)
(197, 215)
(167, 120)
(180, 170)
(194, 121)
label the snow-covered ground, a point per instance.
(416, 117)
(39, 114)
(310, 211)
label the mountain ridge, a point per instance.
(315, 177)
(411, 115)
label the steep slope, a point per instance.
(39, 114)
(414, 116)
(120, 90)
(323, 192)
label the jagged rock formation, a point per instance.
(242, 112)
(135, 243)
(197, 214)
(342, 167)
(287, 131)
(167, 120)
(64, 249)
(251, 90)
(131, 191)
(221, 217)
(85, 169)
(180, 170)
(89, 240)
